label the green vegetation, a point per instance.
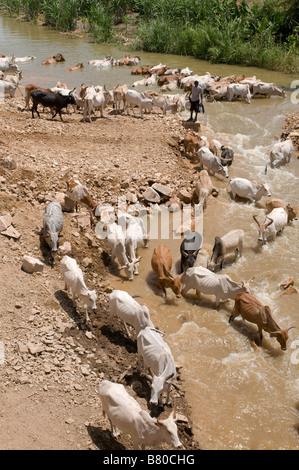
(263, 34)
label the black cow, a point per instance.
(56, 101)
(189, 249)
(227, 156)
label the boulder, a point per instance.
(163, 190)
(5, 222)
(32, 265)
(150, 195)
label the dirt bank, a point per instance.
(53, 360)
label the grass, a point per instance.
(264, 34)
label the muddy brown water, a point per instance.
(241, 397)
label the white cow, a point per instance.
(133, 98)
(74, 281)
(125, 414)
(135, 238)
(231, 242)
(206, 282)
(211, 162)
(238, 90)
(95, 98)
(6, 66)
(130, 311)
(116, 242)
(8, 88)
(267, 89)
(251, 190)
(280, 154)
(157, 357)
(26, 58)
(274, 223)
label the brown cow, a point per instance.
(161, 264)
(292, 211)
(29, 88)
(191, 144)
(254, 311)
(203, 188)
(79, 194)
(53, 59)
(76, 67)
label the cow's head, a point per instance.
(292, 212)
(282, 336)
(91, 299)
(169, 430)
(158, 382)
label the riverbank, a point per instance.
(53, 361)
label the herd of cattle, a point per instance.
(90, 98)
(123, 411)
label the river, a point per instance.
(241, 397)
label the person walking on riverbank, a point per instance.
(195, 97)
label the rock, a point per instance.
(150, 195)
(185, 196)
(174, 205)
(11, 232)
(163, 189)
(87, 262)
(195, 126)
(5, 222)
(83, 222)
(8, 163)
(35, 349)
(65, 249)
(32, 265)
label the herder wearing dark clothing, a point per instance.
(196, 97)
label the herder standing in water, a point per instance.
(196, 97)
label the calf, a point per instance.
(254, 311)
(229, 243)
(52, 226)
(189, 249)
(157, 357)
(161, 263)
(130, 311)
(55, 101)
(125, 413)
(74, 281)
(274, 223)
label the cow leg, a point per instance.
(168, 400)
(127, 329)
(198, 293)
(59, 112)
(87, 319)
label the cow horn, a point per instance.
(184, 253)
(288, 329)
(105, 87)
(137, 260)
(72, 90)
(255, 219)
(269, 223)
(169, 376)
